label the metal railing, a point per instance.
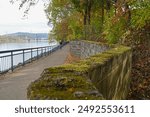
(11, 59)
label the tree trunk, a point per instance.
(128, 12)
(85, 12)
(108, 5)
(89, 11)
(102, 11)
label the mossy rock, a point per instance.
(68, 87)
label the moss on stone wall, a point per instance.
(76, 80)
(63, 83)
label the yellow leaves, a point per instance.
(71, 90)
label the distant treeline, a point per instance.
(9, 39)
(26, 35)
(22, 37)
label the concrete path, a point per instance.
(13, 85)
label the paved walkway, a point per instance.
(13, 86)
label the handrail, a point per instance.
(11, 59)
(15, 50)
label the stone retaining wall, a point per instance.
(105, 75)
(84, 49)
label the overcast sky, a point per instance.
(11, 18)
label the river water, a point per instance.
(19, 57)
(12, 46)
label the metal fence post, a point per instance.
(41, 51)
(31, 54)
(45, 51)
(12, 64)
(49, 50)
(23, 57)
(37, 52)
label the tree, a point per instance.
(92, 19)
